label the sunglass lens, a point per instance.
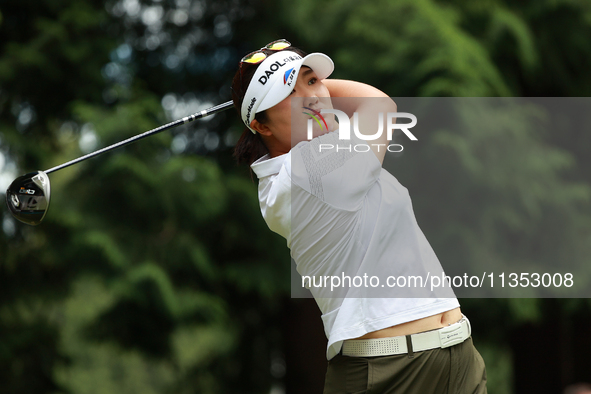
(255, 58)
(276, 46)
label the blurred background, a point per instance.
(153, 271)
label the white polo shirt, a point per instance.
(344, 216)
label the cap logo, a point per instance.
(276, 66)
(272, 68)
(249, 110)
(286, 75)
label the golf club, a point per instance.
(28, 195)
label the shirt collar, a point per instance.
(266, 165)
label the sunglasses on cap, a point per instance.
(258, 56)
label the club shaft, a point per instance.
(187, 119)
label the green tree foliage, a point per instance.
(43, 45)
(153, 270)
(171, 238)
(150, 259)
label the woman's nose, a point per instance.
(312, 100)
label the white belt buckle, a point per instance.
(452, 335)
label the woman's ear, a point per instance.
(260, 127)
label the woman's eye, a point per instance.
(312, 81)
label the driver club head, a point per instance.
(28, 197)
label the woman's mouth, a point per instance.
(317, 116)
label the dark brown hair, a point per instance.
(250, 147)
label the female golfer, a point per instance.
(346, 219)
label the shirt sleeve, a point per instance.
(338, 172)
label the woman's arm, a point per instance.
(356, 91)
(368, 102)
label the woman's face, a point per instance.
(288, 120)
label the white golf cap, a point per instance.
(275, 78)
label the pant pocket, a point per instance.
(346, 375)
(468, 370)
(357, 379)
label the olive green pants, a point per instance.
(457, 369)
